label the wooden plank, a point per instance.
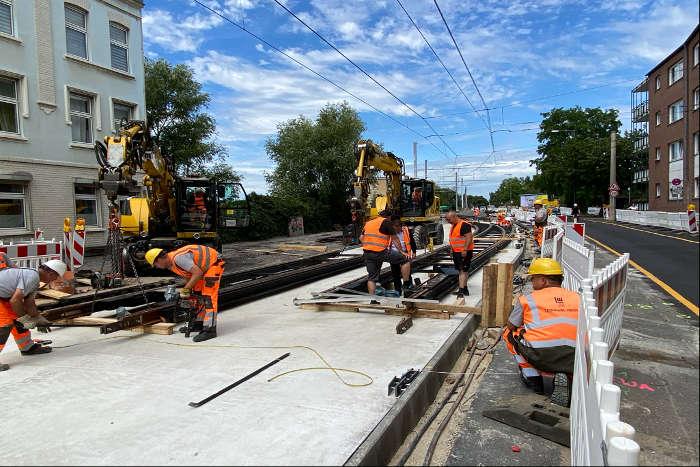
(416, 313)
(83, 281)
(293, 247)
(449, 308)
(500, 293)
(55, 294)
(164, 329)
(488, 295)
(45, 301)
(505, 295)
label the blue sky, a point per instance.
(525, 56)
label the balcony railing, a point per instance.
(641, 143)
(640, 113)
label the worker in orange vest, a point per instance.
(203, 268)
(541, 331)
(400, 255)
(540, 223)
(6, 261)
(198, 208)
(377, 236)
(462, 245)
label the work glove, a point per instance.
(185, 293)
(39, 322)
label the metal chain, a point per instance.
(126, 253)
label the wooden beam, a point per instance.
(293, 247)
(504, 299)
(488, 295)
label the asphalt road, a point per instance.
(671, 256)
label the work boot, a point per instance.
(205, 335)
(36, 349)
(4, 367)
(407, 286)
(194, 327)
(560, 394)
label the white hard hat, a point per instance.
(575, 205)
(57, 266)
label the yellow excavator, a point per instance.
(161, 209)
(413, 199)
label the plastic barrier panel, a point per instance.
(577, 261)
(33, 253)
(548, 235)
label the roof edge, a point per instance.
(668, 57)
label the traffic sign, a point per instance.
(676, 181)
(614, 189)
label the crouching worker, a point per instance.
(541, 332)
(202, 268)
(18, 311)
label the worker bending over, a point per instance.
(202, 267)
(377, 236)
(401, 252)
(18, 311)
(462, 245)
(541, 331)
(540, 223)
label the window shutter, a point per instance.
(120, 59)
(75, 43)
(5, 18)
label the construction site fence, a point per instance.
(32, 253)
(577, 262)
(565, 211)
(598, 436)
(548, 235)
(670, 220)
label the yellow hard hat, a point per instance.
(545, 267)
(152, 254)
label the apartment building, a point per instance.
(69, 72)
(668, 104)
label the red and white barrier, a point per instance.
(67, 242)
(576, 232)
(78, 244)
(692, 221)
(32, 254)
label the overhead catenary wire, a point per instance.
(319, 75)
(361, 69)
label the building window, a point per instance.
(675, 151)
(658, 118)
(81, 118)
(76, 32)
(86, 204)
(122, 112)
(675, 72)
(697, 187)
(13, 212)
(119, 47)
(658, 83)
(696, 99)
(9, 105)
(658, 154)
(675, 111)
(6, 24)
(658, 190)
(696, 54)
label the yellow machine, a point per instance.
(546, 203)
(411, 198)
(163, 210)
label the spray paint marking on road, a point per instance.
(687, 303)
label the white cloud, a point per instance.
(173, 34)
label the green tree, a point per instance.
(574, 154)
(447, 196)
(510, 189)
(476, 200)
(175, 106)
(221, 172)
(315, 162)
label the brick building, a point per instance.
(68, 71)
(666, 104)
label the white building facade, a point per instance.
(69, 72)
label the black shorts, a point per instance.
(462, 264)
(373, 262)
(395, 257)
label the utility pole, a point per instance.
(613, 175)
(456, 203)
(426, 169)
(415, 160)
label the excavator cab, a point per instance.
(417, 197)
(196, 205)
(234, 208)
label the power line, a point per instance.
(483, 102)
(306, 67)
(331, 45)
(443, 65)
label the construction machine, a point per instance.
(413, 199)
(153, 206)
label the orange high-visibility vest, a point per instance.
(550, 317)
(457, 240)
(203, 256)
(5, 261)
(372, 238)
(407, 239)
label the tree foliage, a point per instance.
(510, 189)
(315, 162)
(574, 155)
(447, 198)
(175, 106)
(220, 172)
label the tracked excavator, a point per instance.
(156, 208)
(413, 199)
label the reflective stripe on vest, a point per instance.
(203, 257)
(457, 240)
(550, 317)
(372, 238)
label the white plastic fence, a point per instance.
(593, 210)
(609, 286)
(577, 262)
(548, 235)
(523, 216)
(558, 245)
(565, 211)
(32, 253)
(669, 220)
(598, 436)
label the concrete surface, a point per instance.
(123, 400)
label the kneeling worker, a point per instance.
(18, 311)
(541, 331)
(202, 268)
(462, 245)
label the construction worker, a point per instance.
(203, 268)
(198, 208)
(541, 331)
(401, 253)
(540, 223)
(575, 212)
(18, 311)
(462, 245)
(5, 261)
(376, 237)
